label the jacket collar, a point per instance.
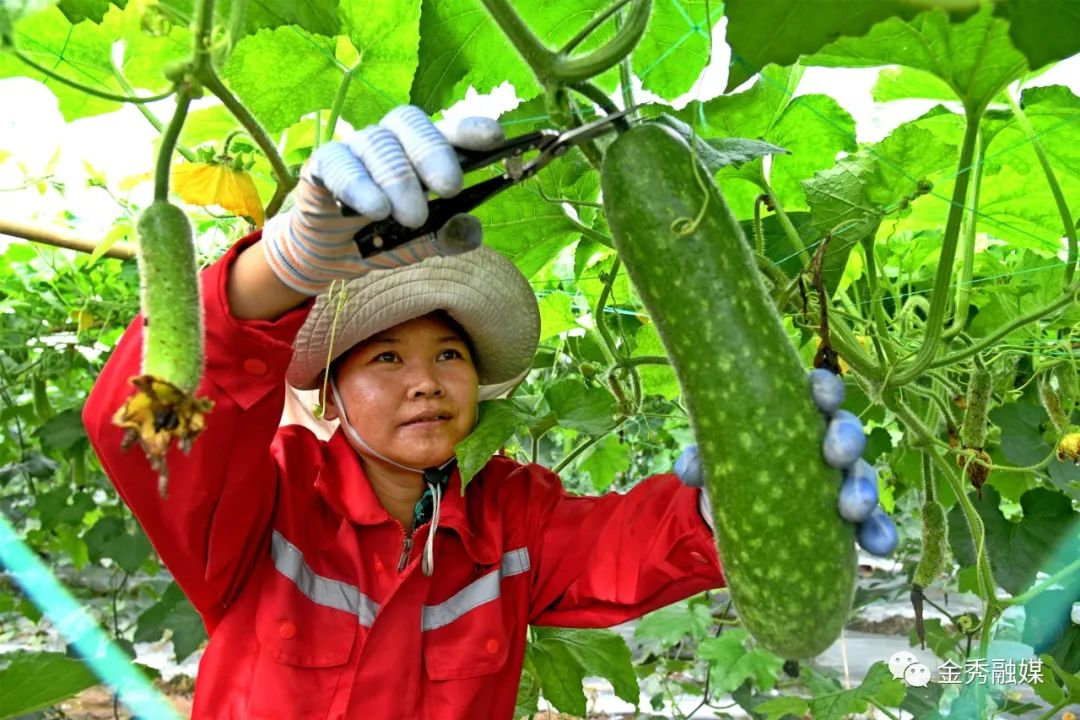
(343, 483)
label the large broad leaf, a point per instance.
(975, 57)
(32, 681)
(285, 73)
(172, 612)
(1044, 30)
(498, 420)
(1044, 540)
(528, 222)
(563, 657)
(460, 45)
(82, 53)
(93, 10)
(731, 663)
(812, 128)
(604, 461)
(580, 407)
(109, 538)
(673, 51)
(879, 686)
(779, 31)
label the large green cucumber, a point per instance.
(788, 556)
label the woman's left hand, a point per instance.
(842, 448)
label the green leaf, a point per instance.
(879, 685)
(523, 225)
(1044, 30)
(670, 624)
(655, 379)
(730, 663)
(556, 314)
(563, 657)
(24, 689)
(974, 57)
(812, 128)
(780, 31)
(62, 431)
(82, 53)
(528, 696)
(460, 45)
(720, 152)
(778, 707)
(172, 612)
(675, 47)
(580, 407)
(314, 16)
(78, 10)
(498, 420)
(604, 461)
(109, 538)
(1021, 432)
(904, 83)
(1017, 550)
(941, 642)
(1071, 680)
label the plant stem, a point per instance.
(785, 221)
(598, 312)
(594, 93)
(565, 69)
(528, 45)
(168, 142)
(591, 233)
(1055, 187)
(934, 323)
(967, 267)
(592, 26)
(586, 445)
(643, 360)
(339, 103)
(90, 91)
(1065, 299)
(626, 72)
(759, 236)
(213, 83)
(150, 117)
(1060, 575)
(877, 308)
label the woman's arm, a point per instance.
(600, 561)
(216, 519)
(255, 292)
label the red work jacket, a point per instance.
(281, 544)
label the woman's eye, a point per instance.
(385, 354)
(455, 352)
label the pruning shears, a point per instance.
(387, 234)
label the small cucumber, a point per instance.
(788, 557)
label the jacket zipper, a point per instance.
(406, 551)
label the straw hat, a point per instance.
(481, 289)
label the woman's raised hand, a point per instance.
(383, 170)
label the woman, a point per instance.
(352, 578)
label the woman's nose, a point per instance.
(425, 380)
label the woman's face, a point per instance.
(418, 368)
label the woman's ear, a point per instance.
(330, 411)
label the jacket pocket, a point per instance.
(468, 635)
(305, 652)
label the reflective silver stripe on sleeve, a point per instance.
(330, 593)
(476, 593)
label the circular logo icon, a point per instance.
(900, 661)
(917, 675)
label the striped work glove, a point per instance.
(842, 449)
(381, 171)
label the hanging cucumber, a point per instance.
(973, 430)
(164, 406)
(788, 556)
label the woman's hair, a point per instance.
(440, 314)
